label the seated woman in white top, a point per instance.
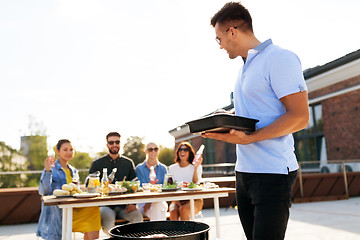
(185, 171)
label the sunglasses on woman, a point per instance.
(183, 149)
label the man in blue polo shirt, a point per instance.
(270, 88)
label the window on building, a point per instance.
(209, 151)
(309, 141)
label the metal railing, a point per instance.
(342, 167)
(222, 169)
(226, 169)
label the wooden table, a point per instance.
(67, 204)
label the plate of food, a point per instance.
(63, 196)
(60, 193)
(170, 188)
(116, 190)
(86, 195)
(67, 190)
(192, 187)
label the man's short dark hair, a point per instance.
(233, 14)
(113, 134)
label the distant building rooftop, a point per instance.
(312, 72)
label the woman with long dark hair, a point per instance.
(185, 171)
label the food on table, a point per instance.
(155, 187)
(170, 186)
(131, 186)
(116, 188)
(210, 185)
(60, 192)
(193, 185)
(182, 184)
(75, 187)
(67, 187)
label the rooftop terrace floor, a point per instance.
(330, 220)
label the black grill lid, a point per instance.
(175, 230)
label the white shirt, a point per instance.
(184, 174)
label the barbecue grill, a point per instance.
(179, 230)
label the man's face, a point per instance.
(223, 35)
(152, 150)
(113, 144)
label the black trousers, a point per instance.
(263, 203)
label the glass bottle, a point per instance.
(152, 175)
(198, 154)
(104, 184)
(168, 180)
(112, 175)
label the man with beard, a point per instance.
(125, 168)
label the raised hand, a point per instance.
(49, 163)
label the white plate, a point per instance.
(64, 196)
(170, 189)
(192, 189)
(116, 193)
(87, 195)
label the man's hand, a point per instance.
(130, 208)
(294, 119)
(234, 136)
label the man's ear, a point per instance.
(233, 32)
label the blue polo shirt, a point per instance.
(268, 74)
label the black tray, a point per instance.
(222, 123)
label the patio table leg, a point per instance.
(192, 209)
(67, 223)
(217, 216)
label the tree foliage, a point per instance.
(166, 155)
(81, 160)
(34, 148)
(134, 149)
(104, 152)
(11, 160)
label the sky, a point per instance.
(80, 69)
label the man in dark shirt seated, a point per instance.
(125, 168)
